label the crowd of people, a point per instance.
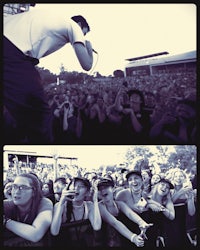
(145, 209)
(156, 109)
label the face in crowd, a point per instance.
(155, 179)
(58, 187)
(106, 193)
(179, 178)
(135, 182)
(81, 190)
(163, 188)
(22, 191)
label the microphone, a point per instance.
(95, 51)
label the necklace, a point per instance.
(136, 197)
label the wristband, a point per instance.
(6, 221)
(132, 237)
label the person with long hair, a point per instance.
(183, 199)
(47, 190)
(113, 230)
(27, 217)
(161, 210)
(75, 218)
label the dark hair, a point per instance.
(134, 172)
(137, 92)
(50, 185)
(82, 20)
(37, 195)
(61, 179)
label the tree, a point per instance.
(118, 73)
(47, 77)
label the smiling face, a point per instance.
(179, 178)
(23, 196)
(163, 188)
(155, 179)
(135, 182)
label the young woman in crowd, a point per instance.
(183, 199)
(146, 178)
(58, 185)
(27, 217)
(161, 209)
(47, 190)
(113, 230)
(155, 179)
(74, 218)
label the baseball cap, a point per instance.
(132, 173)
(84, 180)
(105, 182)
(166, 181)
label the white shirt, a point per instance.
(37, 33)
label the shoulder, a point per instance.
(45, 204)
(122, 194)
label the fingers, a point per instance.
(139, 241)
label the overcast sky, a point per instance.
(89, 157)
(121, 31)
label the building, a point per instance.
(161, 63)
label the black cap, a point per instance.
(84, 180)
(166, 181)
(133, 172)
(105, 182)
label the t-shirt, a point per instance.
(38, 33)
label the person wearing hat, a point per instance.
(133, 194)
(113, 230)
(74, 218)
(160, 199)
(160, 209)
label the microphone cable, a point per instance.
(94, 66)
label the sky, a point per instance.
(89, 157)
(121, 31)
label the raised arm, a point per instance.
(120, 227)
(94, 213)
(133, 215)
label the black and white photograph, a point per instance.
(100, 196)
(99, 74)
(99, 135)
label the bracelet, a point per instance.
(132, 237)
(6, 221)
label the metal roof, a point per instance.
(183, 57)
